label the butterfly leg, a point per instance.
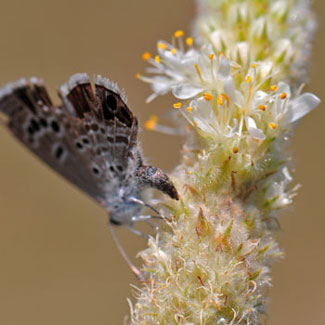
(133, 268)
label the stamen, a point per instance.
(211, 56)
(151, 123)
(189, 41)
(283, 96)
(177, 105)
(262, 107)
(194, 123)
(248, 79)
(253, 65)
(146, 56)
(162, 46)
(198, 72)
(207, 96)
(272, 125)
(189, 109)
(274, 87)
(179, 33)
(220, 100)
(138, 75)
(157, 58)
(173, 51)
(234, 149)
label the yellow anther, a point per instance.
(220, 100)
(248, 79)
(243, 111)
(253, 65)
(283, 95)
(189, 109)
(173, 51)
(198, 71)
(194, 123)
(272, 125)
(226, 98)
(234, 149)
(146, 56)
(262, 107)
(138, 75)
(207, 96)
(211, 56)
(179, 33)
(274, 87)
(151, 123)
(177, 105)
(157, 58)
(189, 41)
(162, 46)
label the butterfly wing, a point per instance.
(90, 139)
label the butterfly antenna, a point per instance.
(133, 268)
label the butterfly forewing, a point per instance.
(90, 139)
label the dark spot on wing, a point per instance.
(96, 170)
(85, 141)
(79, 145)
(58, 152)
(35, 125)
(43, 122)
(111, 102)
(55, 126)
(94, 127)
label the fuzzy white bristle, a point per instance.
(10, 87)
(105, 82)
(36, 81)
(78, 79)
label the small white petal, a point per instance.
(233, 129)
(185, 91)
(301, 106)
(253, 130)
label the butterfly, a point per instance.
(90, 139)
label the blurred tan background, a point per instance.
(58, 262)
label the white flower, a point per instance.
(277, 193)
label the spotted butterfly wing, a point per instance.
(90, 139)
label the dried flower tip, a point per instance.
(179, 33)
(283, 96)
(207, 96)
(146, 56)
(262, 107)
(189, 41)
(235, 149)
(272, 125)
(274, 87)
(177, 105)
